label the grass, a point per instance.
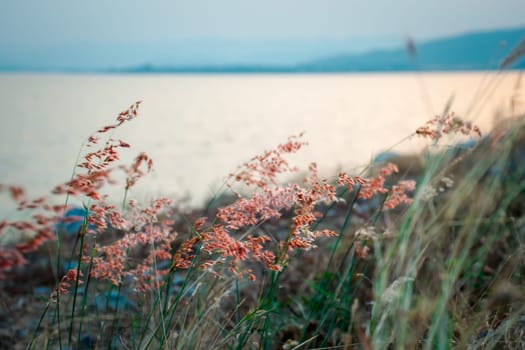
(440, 266)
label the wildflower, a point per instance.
(375, 185)
(262, 171)
(372, 186)
(267, 201)
(199, 223)
(134, 172)
(129, 113)
(449, 124)
(389, 169)
(97, 219)
(71, 276)
(42, 235)
(113, 262)
(398, 194)
(96, 170)
(344, 180)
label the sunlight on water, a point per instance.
(199, 128)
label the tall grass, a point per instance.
(376, 260)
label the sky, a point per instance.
(106, 32)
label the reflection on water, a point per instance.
(199, 128)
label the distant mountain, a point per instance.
(99, 56)
(472, 51)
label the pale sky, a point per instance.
(55, 24)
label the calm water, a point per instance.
(199, 128)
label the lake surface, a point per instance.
(199, 128)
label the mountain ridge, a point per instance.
(471, 51)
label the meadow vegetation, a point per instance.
(413, 252)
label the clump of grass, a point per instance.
(453, 251)
(431, 261)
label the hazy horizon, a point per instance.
(123, 33)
